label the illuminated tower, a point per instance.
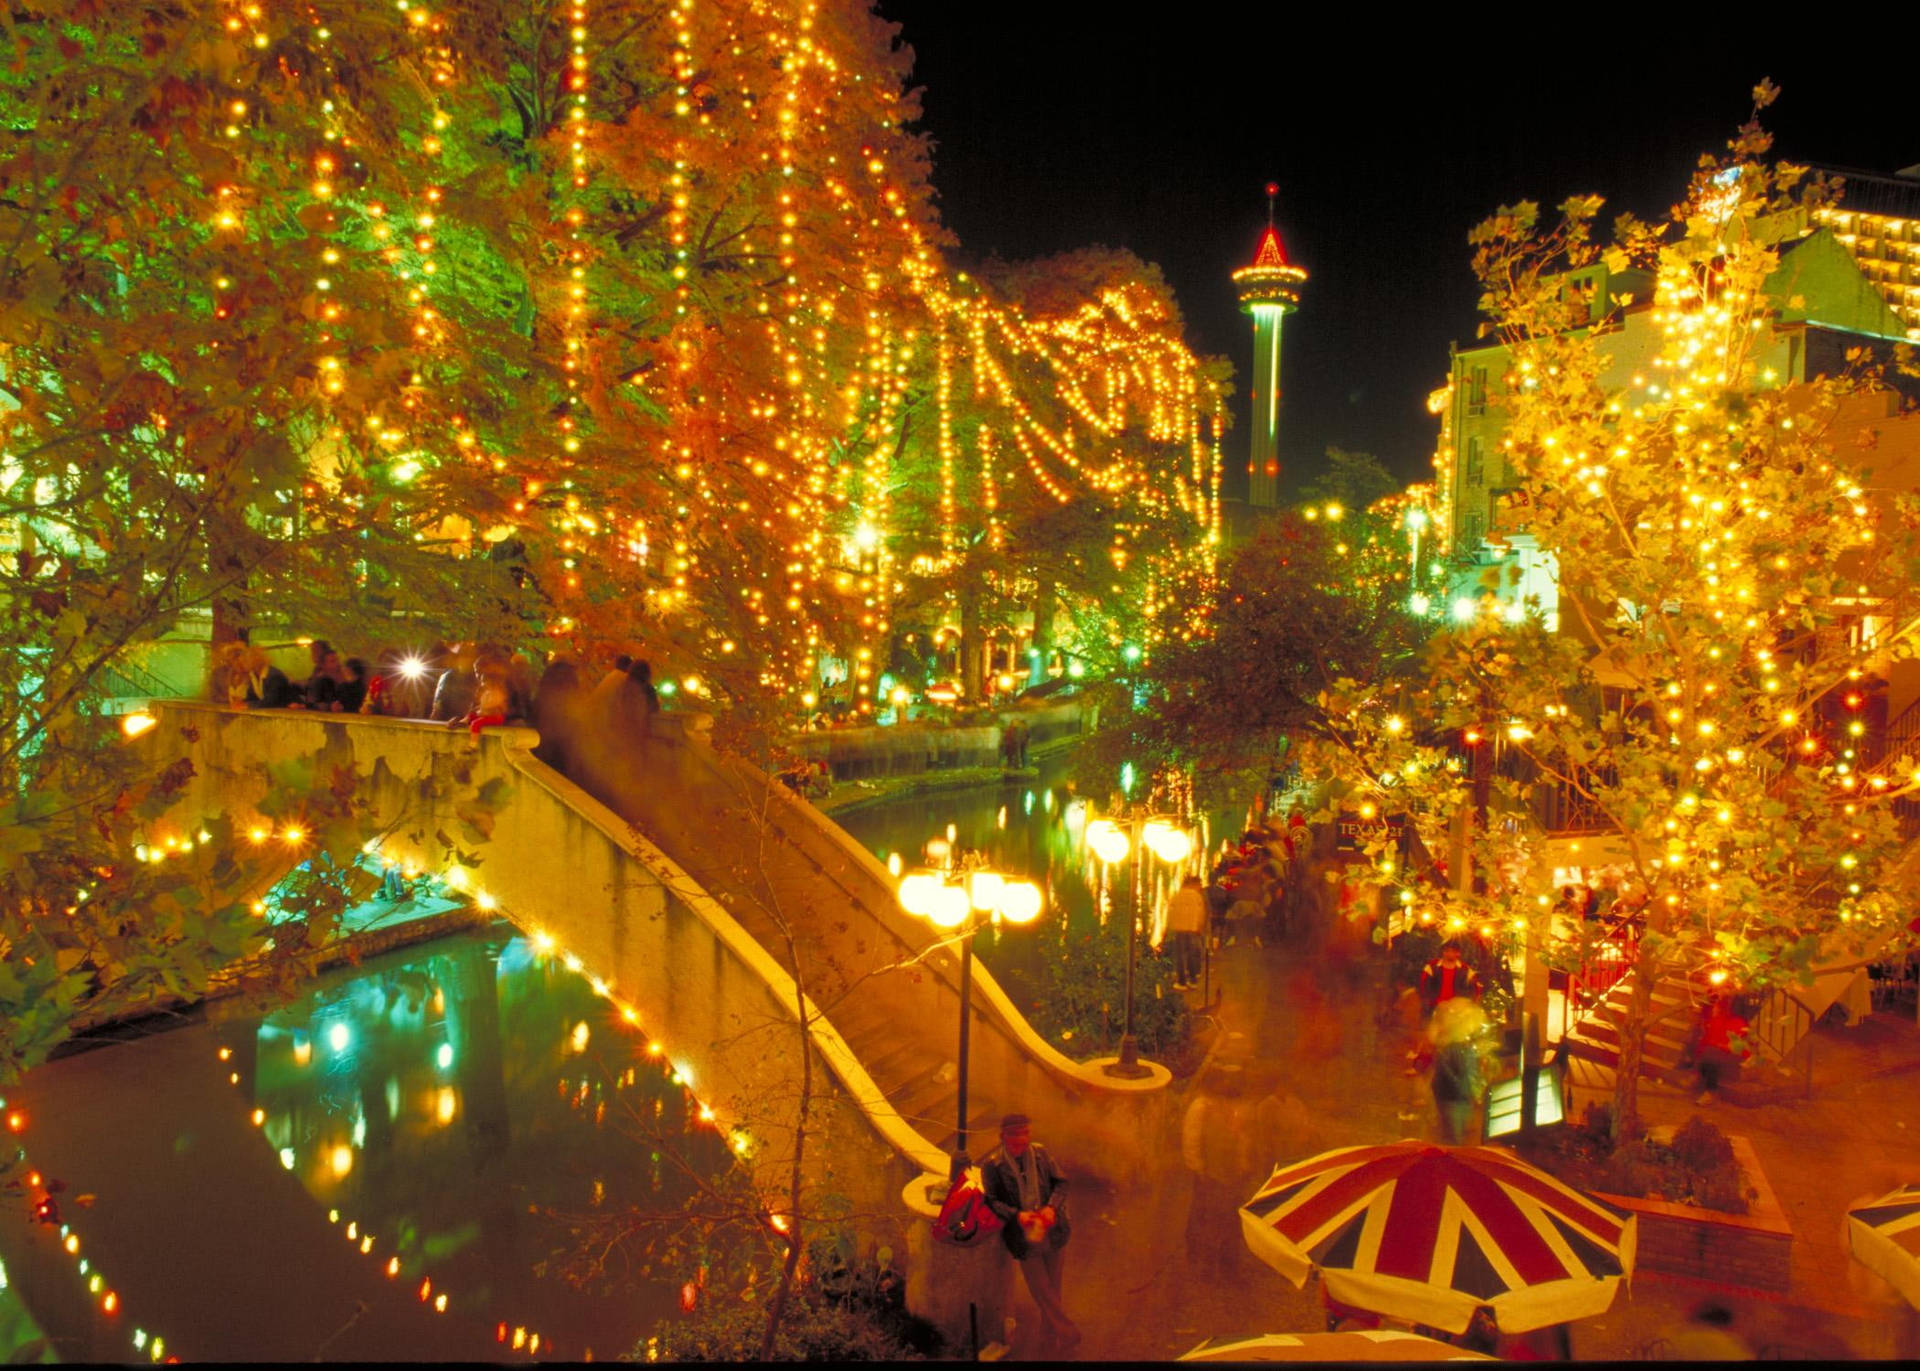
(1269, 291)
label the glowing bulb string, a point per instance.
(101, 1294)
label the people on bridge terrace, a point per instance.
(402, 684)
(453, 694)
(638, 701)
(493, 697)
(265, 685)
(330, 687)
(557, 702)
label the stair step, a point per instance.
(916, 1077)
(1576, 1045)
(932, 1111)
(1601, 1031)
(859, 1017)
(888, 1060)
(983, 1132)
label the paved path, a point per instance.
(1303, 1062)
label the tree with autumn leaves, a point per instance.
(563, 324)
(1055, 478)
(1729, 572)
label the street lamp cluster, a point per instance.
(1111, 842)
(959, 893)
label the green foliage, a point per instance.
(131, 900)
(1352, 480)
(1286, 625)
(843, 1308)
(1082, 1003)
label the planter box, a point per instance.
(1750, 1251)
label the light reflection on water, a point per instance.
(1030, 829)
(444, 1101)
(452, 1110)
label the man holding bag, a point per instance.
(1025, 1189)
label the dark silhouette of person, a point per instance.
(556, 709)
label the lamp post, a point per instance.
(959, 893)
(1111, 842)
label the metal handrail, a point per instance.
(1606, 966)
(1782, 1030)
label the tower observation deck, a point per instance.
(1269, 290)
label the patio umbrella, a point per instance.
(1365, 1345)
(1884, 1237)
(1428, 1234)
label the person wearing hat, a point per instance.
(1025, 1189)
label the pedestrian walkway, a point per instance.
(1303, 1061)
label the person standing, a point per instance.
(1248, 913)
(1447, 978)
(321, 691)
(556, 706)
(1216, 1146)
(1458, 1082)
(638, 701)
(351, 693)
(1026, 1190)
(1187, 921)
(453, 692)
(1720, 1029)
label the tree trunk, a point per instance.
(1633, 1037)
(1043, 606)
(973, 675)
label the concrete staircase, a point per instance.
(1592, 1047)
(920, 1080)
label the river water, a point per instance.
(406, 1162)
(389, 1168)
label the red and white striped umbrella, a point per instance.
(1428, 1234)
(1371, 1344)
(1884, 1237)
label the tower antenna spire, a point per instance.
(1273, 189)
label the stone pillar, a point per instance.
(944, 1281)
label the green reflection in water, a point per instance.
(455, 1103)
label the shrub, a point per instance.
(1702, 1148)
(1632, 1169)
(842, 1309)
(1083, 997)
(1722, 1191)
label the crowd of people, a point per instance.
(1254, 887)
(464, 685)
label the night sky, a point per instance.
(1058, 124)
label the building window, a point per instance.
(1472, 527)
(1477, 391)
(1476, 464)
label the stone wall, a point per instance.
(562, 864)
(568, 868)
(907, 749)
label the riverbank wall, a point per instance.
(858, 754)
